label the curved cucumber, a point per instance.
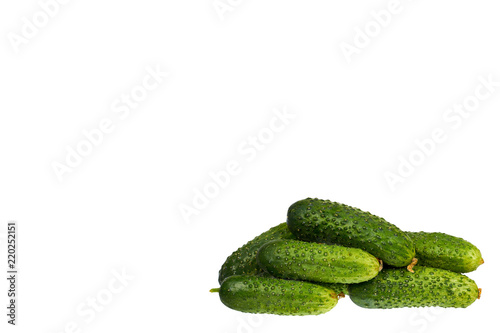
(298, 260)
(397, 288)
(324, 221)
(243, 261)
(256, 294)
(436, 249)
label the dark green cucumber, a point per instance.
(256, 294)
(329, 222)
(436, 249)
(298, 260)
(397, 288)
(244, 260)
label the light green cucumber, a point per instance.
(436, 249)
(298, 260)
(398, 288)
(254, 294)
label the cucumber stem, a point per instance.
(381, 266)
(410, 266)
(214, 290)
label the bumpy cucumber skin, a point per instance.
(436, 249)
(254, 294)
(329, 222)
(244, 260)
(298, 260)
(428, 286)
(338, 288)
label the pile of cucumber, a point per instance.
(327, 250)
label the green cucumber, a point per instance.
(397, 288)
(323, 221)
(298, 260)
(256, 294)
(436, 249)
(341, 289)
(244, 260)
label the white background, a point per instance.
(118, 210)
